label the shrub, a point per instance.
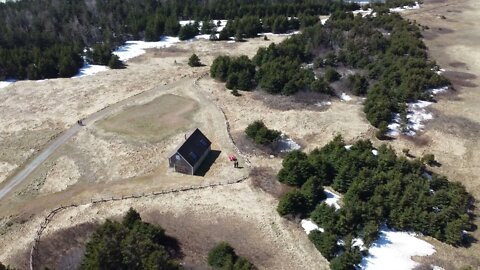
(358, 84)
(331, 75)
(296, 169)
(313, 191)
(187, 32)
(325, 242)
(223, 257)
(194, 61)
(260, 134)
(114, 62)
(293, 203)
(324, 216)
(429, 159)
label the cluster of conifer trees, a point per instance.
(382, 189)
(46, 38)
(130, 244)
(224, 257)
(385, 51)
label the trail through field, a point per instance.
(34, 163)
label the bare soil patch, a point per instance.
(65, 248)
(265, 179)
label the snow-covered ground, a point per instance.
(136, 48)
(309, 226)
(324, 19)
(345, 97)
(6, 83)
(393, 250)
(323, 103)
(417, 114)
(400, 9)
(439, 90)
(364, 13)
(220, 27)
(332, 199)
(286, 144)
(88, 70)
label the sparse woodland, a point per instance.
(386, 53)
(383, 189)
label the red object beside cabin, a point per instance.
(232, 158)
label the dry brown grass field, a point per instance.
(126, 151)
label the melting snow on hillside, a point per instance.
(364, 13)
(309, 226)
(400, 9)
(6, 83)
(285, 144)
(88, 70)
(332, 199)
(220, 27)
(416, 116)
(345, 97)
(133, 49)
(393, 250)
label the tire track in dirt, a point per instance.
(22, 174)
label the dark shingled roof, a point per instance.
(194, 147)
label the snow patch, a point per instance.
(135, 48)
(88, 70)
(393, 250)
(439, 90)
(220, 27)
(286, 144)
(324, 19)
(280, 35)
(323, 103)
(364, 13)
(332, 199)
(416, 116)
(309, 226)
(358, 242)
(6, 83)
(345, 97)
(375, 152)
(400, 9)
(348, 146)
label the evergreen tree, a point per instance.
(293, 203)
(325, 242)
(194, 61)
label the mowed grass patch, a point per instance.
(153, 121)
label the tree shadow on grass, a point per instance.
(208, 162)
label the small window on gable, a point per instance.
(203, 142)
(192, 154)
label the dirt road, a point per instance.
(34, 163)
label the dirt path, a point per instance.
(34, 163)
